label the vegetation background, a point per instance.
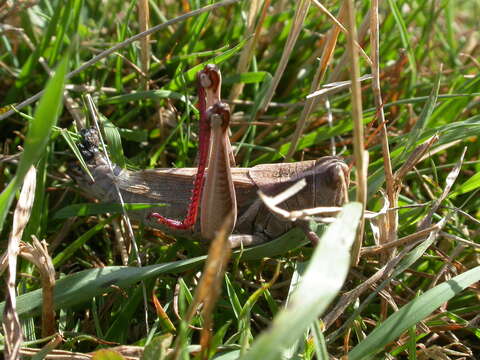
(272, 54)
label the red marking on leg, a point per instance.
(204, 146)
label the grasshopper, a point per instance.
(226, 191)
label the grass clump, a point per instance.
(413, 288)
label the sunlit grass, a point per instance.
(429, 86)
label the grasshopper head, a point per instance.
(332, 178)
(89, 144)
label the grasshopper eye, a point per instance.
(337, 175)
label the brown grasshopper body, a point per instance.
(326, 178)
(220, 192)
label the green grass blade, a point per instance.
(124, 317)
(38, 135)
(453, 106)
(77, 244)
(412, 344)
(73, 146)
(317, 136)
(189, 75)
(405, 39)
(45, 118)
(247, 78)
(32, 62)
(82, 286)
(471, 184)
(404, 264)
(419, 127)
(142, 95)
(410, 314)
(114, 141)
(320, 343)
(231, 355)
(331, 260)
(259, 102)
(460, 130)
(232, 296)
(60, 31)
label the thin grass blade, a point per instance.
(323, 279)
(410, 314)
(38, 135)
(77, 288)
